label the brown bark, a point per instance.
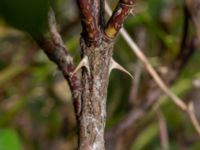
(97, 46)
(93, 113)
(89, 94)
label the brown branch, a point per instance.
(90, 12)
(116, 21)
(53, 46)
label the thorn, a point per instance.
(115, 65)
(84, 63)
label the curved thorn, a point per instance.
(84, 63)
(115, 65)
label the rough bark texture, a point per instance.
(98, 50)
(95, 83)
(89, 94)
(97, 40)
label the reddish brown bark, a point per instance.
(54, 48)
(115, 23)
(89, 11)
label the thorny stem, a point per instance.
(89, 98)
(93, 96)
(97, 46)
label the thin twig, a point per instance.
(149, 67)
(138, 69)
(156, 77)
(193, 117)
(163, 129)
(151, 71)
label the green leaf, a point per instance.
(27, 15)
(146, 137)
(9, 140)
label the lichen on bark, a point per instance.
(94, 95)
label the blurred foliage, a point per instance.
(9, 139)
(25, 15)
(35, 102)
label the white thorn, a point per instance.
(115, 65)
(84, 63)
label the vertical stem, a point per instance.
(97, 45)
(93, 113)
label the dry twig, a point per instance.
(156, 77)
(163, 129)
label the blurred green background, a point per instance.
(36, 112)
